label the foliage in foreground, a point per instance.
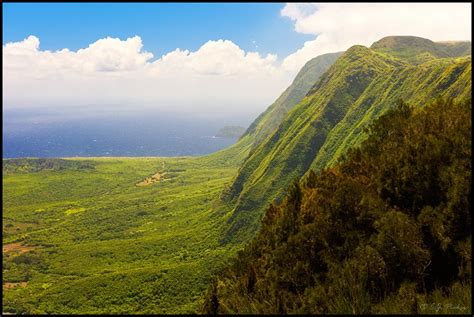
(387, 230)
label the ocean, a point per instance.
(40, 134)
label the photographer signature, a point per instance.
(440, 306)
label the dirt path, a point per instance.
(16, 247)
(156, 178)
(153, 179)
(9, 285)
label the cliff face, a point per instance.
(359, 87)
(271, 118)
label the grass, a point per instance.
(103, 244)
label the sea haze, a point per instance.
(28, 133)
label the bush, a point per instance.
(385, 230)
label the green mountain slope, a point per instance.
(267, 122)
(358, 88)
(388, 230)
(418, 50)
(271, 118)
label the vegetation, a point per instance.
(29, 165)
(379, 228)
(359, 87)
(267, 122)
(419, 50)
(386, 230)
(88, 240)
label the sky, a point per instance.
(211, 58)
(163, 27)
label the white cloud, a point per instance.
(338, 26)
(104, 55)
(217, 58)
(217, 76)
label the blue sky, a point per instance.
(163, 27)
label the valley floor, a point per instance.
(92, 241)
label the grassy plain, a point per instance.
(97, 243)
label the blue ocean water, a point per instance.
(28, 134)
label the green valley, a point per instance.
(81, 237)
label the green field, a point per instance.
(86, 239)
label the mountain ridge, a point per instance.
(360, 86)
(269, 120)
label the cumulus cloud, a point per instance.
(338, 26)
(217, 58)
(217, 75)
